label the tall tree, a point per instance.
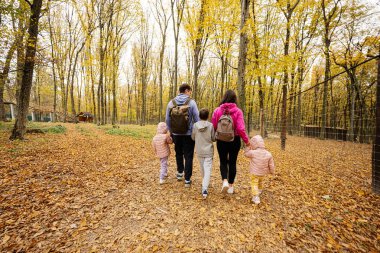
(287, 10)
(145, 46)
(330, 16)
(162, 19)
(199, 45)
(4, 77)
(27, 78)
(177, 7)
(243, 45)
(224, 15)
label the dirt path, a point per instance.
(89, 191)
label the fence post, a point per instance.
(376, 144)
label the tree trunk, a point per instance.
(100, 81)
(285, 87)
(299, 96)
(114, 76)
(4, 77)
(223, 75)
(352, 108)
(376, 144)
(291, 102)
(176, 26)
(243, 53)
(325, 89)
(53, 66)
(198, 47)
(27, 78)
(162, 51)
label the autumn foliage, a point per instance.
(95, 189)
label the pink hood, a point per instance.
(257, 142)
(161, 141)
(237, 117)
(261, 160)
(162, 128)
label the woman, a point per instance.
(228, 151)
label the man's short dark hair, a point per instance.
(203, 114)
(184, 87)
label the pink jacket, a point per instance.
(261, 160)
(237, 117)
(161, 141)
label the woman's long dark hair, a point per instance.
(229, 97)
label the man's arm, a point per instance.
(167, 116)
(195, 111)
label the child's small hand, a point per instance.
(169, 139)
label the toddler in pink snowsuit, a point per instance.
(261, 164)
(160, 144)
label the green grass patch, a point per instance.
(46, 127)
(83, 131)
(6, 126)
(138, 132)
(55, 129)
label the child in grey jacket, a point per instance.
(204, 135)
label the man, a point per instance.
(181, 114)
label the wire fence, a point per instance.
(347, 114)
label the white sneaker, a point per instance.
(179, 176)
(230, 190)
(256, 199)
(162, 181)
(225, 186)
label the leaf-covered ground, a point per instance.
(94, 189)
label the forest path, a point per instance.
(89, 191)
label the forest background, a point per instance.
(123, 60)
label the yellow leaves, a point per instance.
(187, 249)
(5, 239)
(9, 222)
(34, 214)
(155, 248)
(112, 200)
(332, 243)
(360, 193)
(144, 237)
(242, 237)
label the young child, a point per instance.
(204, 135)
(161, 143)
(261, 164)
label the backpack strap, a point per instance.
(187, 101)
(174, 103)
